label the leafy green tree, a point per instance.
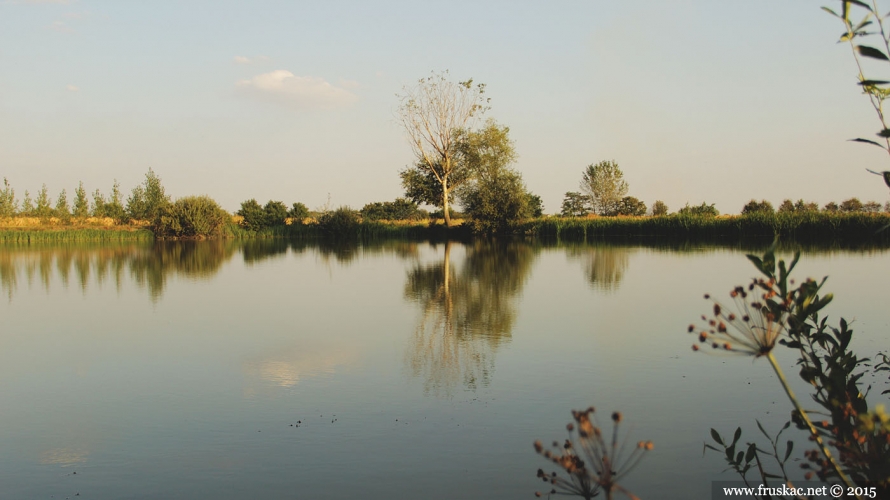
(575, 205)
(8, 203)
(495, 198)
(787, 206)
(298, 212)
(659, 208)
(98, 204)
(831, 207)
(703, 210)
(630, 206)
(27, 204)
(253, 215)
(604, 184)
(147, 200)
(114, 207)
(275, 213)
(433, 113)
(43, 208)
(754, 207)
(62, 209)
(81, 203)
(851, 205)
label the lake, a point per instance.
(274, 369)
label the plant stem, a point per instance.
(803, 414)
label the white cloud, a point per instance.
(72, 88)
(302, 92)
(242, 60)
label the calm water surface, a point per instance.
(397, 370)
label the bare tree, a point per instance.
(434, 112)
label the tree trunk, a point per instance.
(445, 211)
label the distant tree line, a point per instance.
(801, 206)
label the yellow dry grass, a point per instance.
(37, 222)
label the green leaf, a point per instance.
(788, 450)
(866, 51)
(884, 133)
(752, 451)
(759, 426)
(771, 476)
(833, 13)
(757, 262)
(869, 141)
(874, 82)
(859, 3)
(716, 436)
(738, 434)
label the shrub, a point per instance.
(252, 214)
(191, 217)
(497, 203)
(754, 207)
(400, 209)
(831, 207)
(339, 223)
(701, 210)
(298, 212)
(275, 213)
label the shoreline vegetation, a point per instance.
(804, 227)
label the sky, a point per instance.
(696, 100)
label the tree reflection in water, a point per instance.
(466, 313)
(604, 265)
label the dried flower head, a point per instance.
(599, 465)
(755, 327)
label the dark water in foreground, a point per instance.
(398, 370)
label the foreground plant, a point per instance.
(599, 466)
(771, 311)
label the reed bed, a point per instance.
(802, 227)
(32, 235)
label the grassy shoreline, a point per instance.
(803, 227)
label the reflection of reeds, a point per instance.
(599, 465)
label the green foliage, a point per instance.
(98, 204)
(8, 204)
(43, 208)
(495, 198)
(831, 207)
(81, 234)
(147, 201)
(274, 213)
(659, 208)
(191, 217)
(788, 206)
(604, 185)
(497, 202)
(575, 205)
(754, 206)
(872, 207)
(27, 205)
(298, 212)
(703, 210)
(630, 206)
(81, 203)
(254, 217)
(114, 207)
(341, 223)
(851, 205)
(400, 209)
(535, 205)
(62, 210)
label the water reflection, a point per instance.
(604, 265)
(286, 367)
(466, 313)
(149, 265)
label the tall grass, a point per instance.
(81, 234)
(802, 227)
